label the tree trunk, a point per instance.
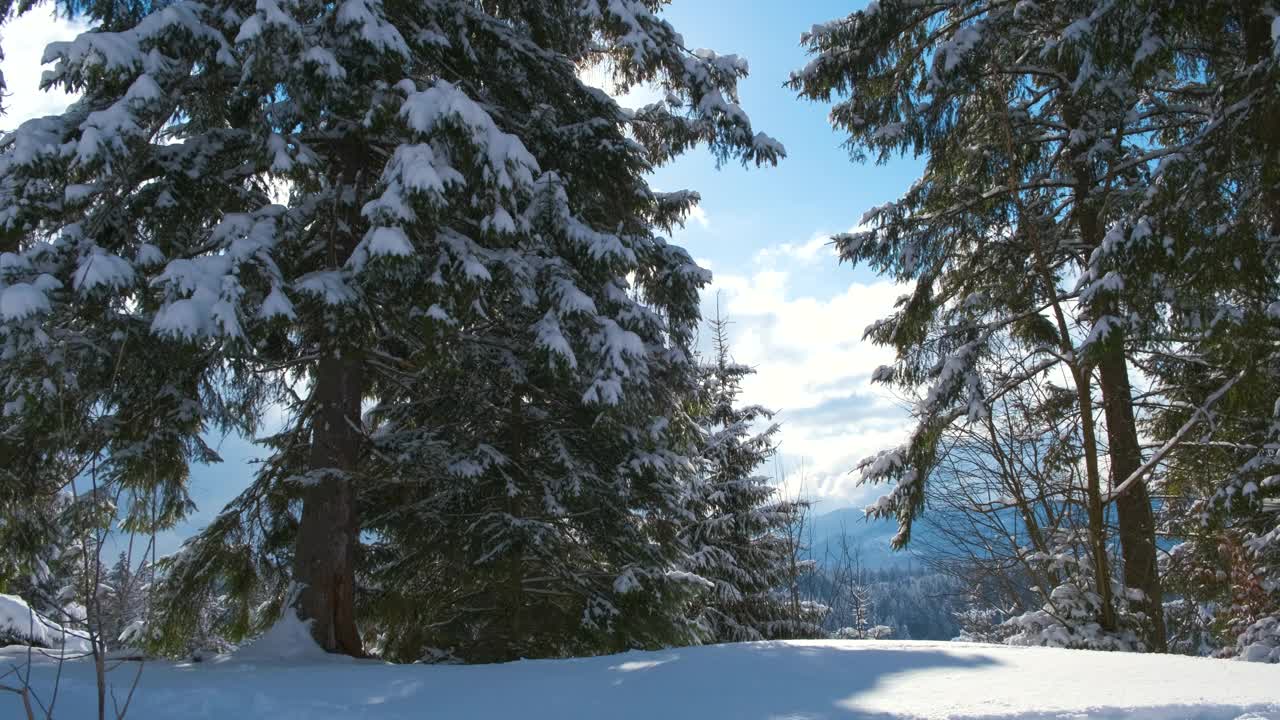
(1093, 493)
(1083, 378)
(1133, 506)
(324, 564)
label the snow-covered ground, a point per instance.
(768, 681)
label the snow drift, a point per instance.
(19, 622)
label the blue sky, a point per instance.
(817, 188)
(797, 314)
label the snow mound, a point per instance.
(799, 680)
(288, 641)
(18, 621)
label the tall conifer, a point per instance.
(330, 207)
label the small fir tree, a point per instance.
(737, 535)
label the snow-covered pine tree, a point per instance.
(737, 530)
(860, 598)
(1201, 250)
(324, 206)
(513, 520)
(94, 404)
(123, 606)
(36, 565)
(29, 531)
(53, 561)
(1039, 139)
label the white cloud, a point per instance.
(817, 247)
(698, 215)
(25, 38)
(814, 368)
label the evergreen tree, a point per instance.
(1202, 250)
(1121, 159)
(1039, 139)
(31, 533)
(737, 530)
(514, 521)
(123, 606)
(862, 607)
(59, 576)
(406, 208)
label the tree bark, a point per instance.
(1093, 493)
(329, 530)
(324, 562)
(1083, 377)
(1133, 506)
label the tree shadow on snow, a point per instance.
(753, 681)
(769, 681)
